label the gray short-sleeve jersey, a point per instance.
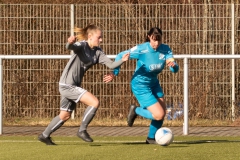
(83, 58)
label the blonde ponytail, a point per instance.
(82, 33)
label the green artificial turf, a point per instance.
(119, 148)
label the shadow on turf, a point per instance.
(175, 142)
(186, 142)
(123, 143)
(99, 144)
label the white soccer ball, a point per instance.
(164, 136)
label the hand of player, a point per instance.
(108, 77)
(72, 39)
(125, 56)
(170, 62)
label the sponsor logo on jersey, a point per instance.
(155, 66)
(161, 56)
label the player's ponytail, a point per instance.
(82, 33)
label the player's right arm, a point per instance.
(134, 53)
(71, 45)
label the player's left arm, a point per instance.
(103, 59)
(171, 63)
(133, 54)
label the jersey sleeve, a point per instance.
(169, 53)
(103, 59)
(170, 56)
(76, 46)
(175, 68)
(134, 54)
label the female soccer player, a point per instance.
(86, 54)
(151, 58)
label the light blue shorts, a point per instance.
(147, 95)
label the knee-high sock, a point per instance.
(144, 113)
(55, 124)
(87, 117)
(154, 126)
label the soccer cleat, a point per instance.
(131, 115)
(150, 141)
(84, 136)
(46, 140)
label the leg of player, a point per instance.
(155, 112)
(132, 115)
(93, 103)
(66, 108)
(154, 126)
(134, 111)
(158, 111)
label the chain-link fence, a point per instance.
(31, 86)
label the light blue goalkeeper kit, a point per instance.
(144, 83)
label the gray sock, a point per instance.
(53, 126)
(87, 117)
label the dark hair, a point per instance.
(155, 32)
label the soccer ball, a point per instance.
(164, 136)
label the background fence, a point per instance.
(30, 87)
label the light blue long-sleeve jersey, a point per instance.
(150, 62)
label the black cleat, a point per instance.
(131, 115)
(47, 141)
(150, 141)
(84, 136)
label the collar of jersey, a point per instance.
(151, 49)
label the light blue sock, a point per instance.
(154, 126)
(144, 113)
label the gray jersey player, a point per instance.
(86, 54)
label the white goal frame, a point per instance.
(185, 79)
